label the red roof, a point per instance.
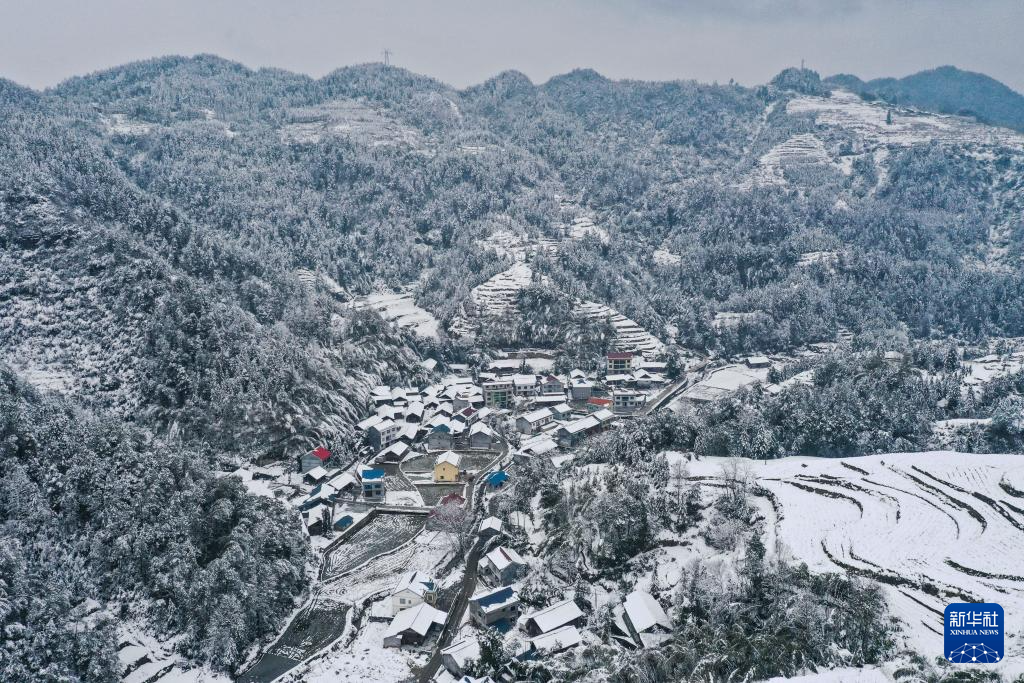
(621, 355)
(599, 401)
(321, 453)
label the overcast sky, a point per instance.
(466, 41)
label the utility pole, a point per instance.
(387, 56)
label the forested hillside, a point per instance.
(186, 245)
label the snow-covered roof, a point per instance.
(557, 615)
(481, 428)
(494, 599)
(490, 524)
(538, 445)
(501, 557)
(399, 448)
(524, 380)
(581, 425)
(463, 651)
(415, 581)
(644, 612)
(603, 415)
(317, 473)
(559, 639)
(450, 457)
(537, 415)
(418, 619)
(618, 378)
(370, 422)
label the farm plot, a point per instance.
(382, 534)
(322, 622)
(930, 528)
(433, 493)
(476, 460)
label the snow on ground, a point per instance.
(500, 294)
(932, 528)
(629, 336)
(352, 119)
(721, 383)
(804, 149)
(366, 660)
(663, 257)
(400, 309)
(868, 120)
(846, 675)
(987, 368)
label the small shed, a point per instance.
(490, 527)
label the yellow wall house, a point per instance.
(446, 468)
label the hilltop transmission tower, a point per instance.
(387, 56)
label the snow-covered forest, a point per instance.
(205, 267)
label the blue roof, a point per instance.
(499, 477)
(343, 522)
(372, 474)
(441, 428)
(495, 598)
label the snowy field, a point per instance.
(382, 534)
(401, 310)
(931, 528)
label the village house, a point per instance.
(538, 445)
(496, 480)
(550, 385)
(595, 403)
(531, 423)
(383, 434)
(446, 467)
(556, 641)
(467, 415)
(581, 388)
(506, 366)
(482, 437)
(344, 483)
(322, 494)
(557, 615)
(452, 499)
(502, 566)
(627, 401)
(342, 522)
(413, 589)
(525, 385)
(369, 422)
(640, 621)
(620, 362)
(315, 476)
(562, 411)
(373, 484)
(315, 458)
(440, 437)
(493, 606)
(489, 527)
(758, 362)
(414, 413)
(498, 394)
(396, 452)
(455, 657)
(573, 433)
(412, 626)
(317, 518)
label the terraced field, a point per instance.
(383, 534)
(931, 528)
